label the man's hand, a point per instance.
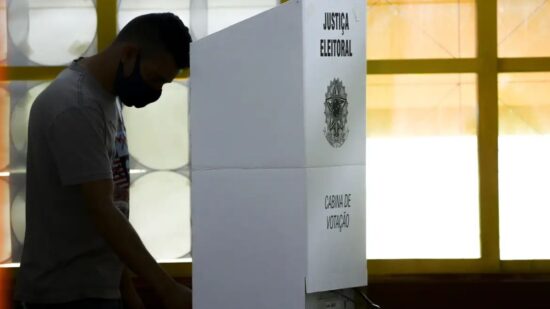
(130, 297)
(177, 296)
(125, 242)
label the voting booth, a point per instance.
(277, 123)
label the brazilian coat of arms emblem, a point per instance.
(336, 113)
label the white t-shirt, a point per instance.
(72, 130)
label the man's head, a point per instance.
(154, 48)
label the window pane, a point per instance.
(4, 128)
(50, 32)
(523, 28)
(158, 135)
(160, 211)
(20, 114)
(405, 29)
(17, 215)
(524, 167)
(3, 32)
(5, 240)
(224, 13)
(129, 9)
(203, 18)
(422, 172)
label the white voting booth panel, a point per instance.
(277, 122)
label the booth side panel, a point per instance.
(335, 112)
(246, 94)
(249, 237)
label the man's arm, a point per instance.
(130, 297)
(125, 242)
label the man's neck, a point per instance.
(103, 68)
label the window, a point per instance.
(224, 13)
(129, 9)
(506, 118)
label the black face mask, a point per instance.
(133, 90)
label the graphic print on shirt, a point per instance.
(121, 167)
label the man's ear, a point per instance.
(128, 58)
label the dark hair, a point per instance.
(159, 32)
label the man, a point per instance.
(77, 239)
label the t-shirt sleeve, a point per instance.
(77, 139)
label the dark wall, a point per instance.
(461, 291)
(436, 291)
